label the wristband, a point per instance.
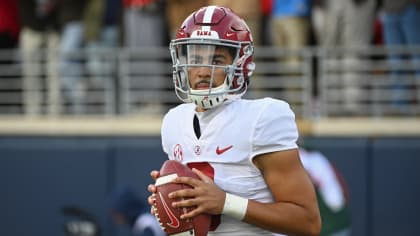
(235, 206)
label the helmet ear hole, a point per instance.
(248, 50)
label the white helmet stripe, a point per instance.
(207, 17)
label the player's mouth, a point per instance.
(202, 85)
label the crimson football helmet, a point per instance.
(207, 29)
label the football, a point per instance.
(168, 216)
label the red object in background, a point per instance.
(9, 19)
(137, 3)
(378, 32)
(266, 7)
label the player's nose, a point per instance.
(204, 72)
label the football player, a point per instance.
(244, 151)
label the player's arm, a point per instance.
(295, 210)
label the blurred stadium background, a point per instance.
(56, 150)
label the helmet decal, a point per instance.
(205, 31)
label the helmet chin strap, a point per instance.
(204, 99)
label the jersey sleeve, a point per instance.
(275, 129)
(163, 133)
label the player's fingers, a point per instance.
(192, 213)
(152, 210)
(151, 199)
(202, 176)
(183, 193)
(187, 180)
(151, 188)
(184, 203)
(154, 174)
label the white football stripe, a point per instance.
(165, 179)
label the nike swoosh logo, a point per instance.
(221, 151)
(174, 221)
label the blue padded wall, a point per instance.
(351, 157)
(39, 175)
(395, 187)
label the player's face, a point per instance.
(200, 76)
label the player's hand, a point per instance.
(152, 189)
(205, 195)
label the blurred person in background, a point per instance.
(290, 32)
(9, 36)
(290, 24)
(400, 21)
(128, 209)
(39, 41)
(9, 24)
(332, 193)
(144, 28)
(102, 39)
(143, 23)
(71, 15)
(348, 24)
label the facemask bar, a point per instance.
(234, 82)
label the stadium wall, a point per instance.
(41, 174)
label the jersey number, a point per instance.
(208, 170)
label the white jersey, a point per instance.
(231, 136)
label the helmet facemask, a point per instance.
(189, 55)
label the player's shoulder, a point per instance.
(266, 105)
(180, 109)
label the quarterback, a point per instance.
(251, 178)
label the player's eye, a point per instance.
(195, 60)
(218, 62)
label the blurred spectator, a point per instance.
(144, 24)
(39, 40)
(400, 21)
(178, 10)
(71, 15)
(127, 208)
(249, 10)
(290, 23)
(332, 193)
(348, 24)
(144, 27)
(9, 24)
(9, 34)
(266, 8)
(101, 38)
